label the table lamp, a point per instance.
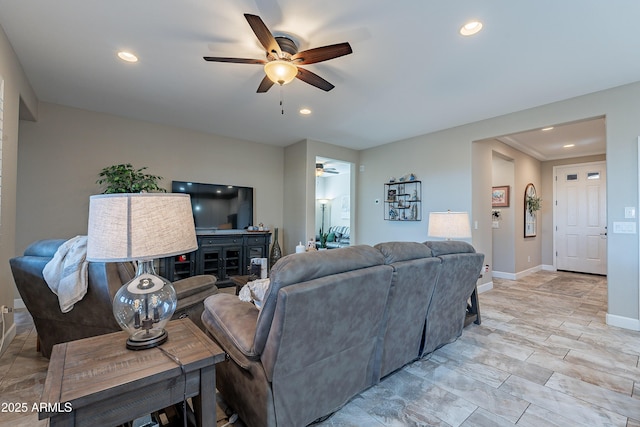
(141, 227)
(449, 225)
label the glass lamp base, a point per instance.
(147, 339)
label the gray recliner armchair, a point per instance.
(93, 314)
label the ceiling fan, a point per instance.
(320, 170)
(283, 60)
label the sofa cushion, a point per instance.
(403, 251)
(232, 323)
(446, 247)
(303, 267)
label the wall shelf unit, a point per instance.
(403, 201)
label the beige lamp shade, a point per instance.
(449, 225)
(140, 226)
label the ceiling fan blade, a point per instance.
(264, 35)
(265, 85)
(234, 60)
(314, 79)
(320, 54)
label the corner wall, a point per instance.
(18, 95)
(300, 188)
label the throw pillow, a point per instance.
(331, 237)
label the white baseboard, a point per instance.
(546, 267)
(18, 303)
(518, 275)
(623, 322)
(9, 335)
(503, 275)
(485, 287)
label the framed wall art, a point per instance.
(500, 197)
(531, 207)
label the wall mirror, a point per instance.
(531, 207)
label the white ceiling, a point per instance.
(583, 138)
(410, 73)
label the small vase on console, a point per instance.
(276, 252)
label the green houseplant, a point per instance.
(323, 239)
(124, 178)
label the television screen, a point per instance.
(215, 206)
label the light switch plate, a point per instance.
(629, 212)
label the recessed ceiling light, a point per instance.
(568, 145)
(127, 56)
(546, 129)
(471, 28)
(305, 111)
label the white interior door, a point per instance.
(580, 213)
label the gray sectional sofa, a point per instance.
(333, 323)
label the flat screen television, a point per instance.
(216, 206)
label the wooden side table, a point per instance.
(98, 381)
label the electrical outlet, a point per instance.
(5, 309)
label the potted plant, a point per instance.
(124, 178)
(323, 239)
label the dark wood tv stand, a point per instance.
(222, 253)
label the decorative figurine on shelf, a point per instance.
(392, 179)
(412, 177)
(414, 195)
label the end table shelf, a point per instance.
(100, 382)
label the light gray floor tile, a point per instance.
(562, 404)
(613, 401)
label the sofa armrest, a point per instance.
(194, 285)
(232, 324)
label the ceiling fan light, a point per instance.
(281, 72)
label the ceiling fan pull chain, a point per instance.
(281, 101)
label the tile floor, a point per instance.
(543, 356)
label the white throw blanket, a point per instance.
(254, 291)
(67, 274)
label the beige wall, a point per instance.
(441, 160)
(17, 91)
(504, 236)
(62, 153)
(456, 175)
